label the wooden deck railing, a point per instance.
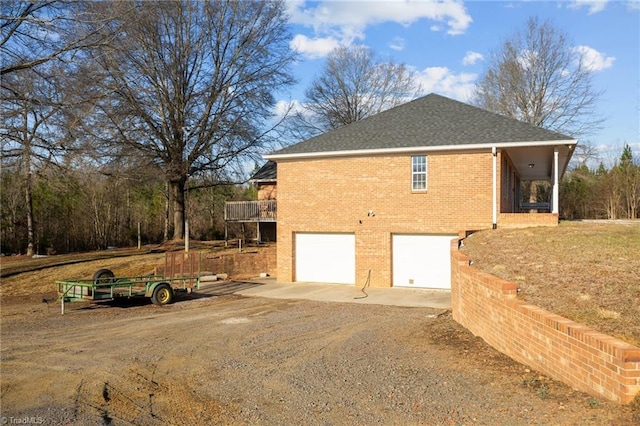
(250, 211)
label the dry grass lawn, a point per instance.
(588, 272)
(39, 282)
(22, 276)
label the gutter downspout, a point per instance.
(494, 152)
(556, 196)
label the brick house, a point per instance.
(378, 201)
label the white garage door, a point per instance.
(326, 258)
(422, 261)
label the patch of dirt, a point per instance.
(588, 272)
(232, 360)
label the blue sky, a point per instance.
(449, 42)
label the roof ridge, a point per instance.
(431, 120)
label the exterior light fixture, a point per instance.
(531, 165)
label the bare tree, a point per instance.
(354, 84)
(609, 197)
(189, 83)
(586, 154)
(11, 210)
(538, 77)
(31, 100)
(35, 32)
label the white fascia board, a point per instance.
(412, 149)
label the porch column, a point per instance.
(556, 196)
(494, 152)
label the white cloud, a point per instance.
(362, 14)
(593, 60)
(443, 81)
(594, 6)
(397, 43)
(346, 21)
(471, 58)
(315, 47)
(609, 154)
(283, 109)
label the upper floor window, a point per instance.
(419, 173)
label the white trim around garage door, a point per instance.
(325, 258)
(422, 260)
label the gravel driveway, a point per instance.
(257, 361)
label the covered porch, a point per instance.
(526, 183)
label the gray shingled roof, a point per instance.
(268, 172)
(430, 121)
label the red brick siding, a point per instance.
(565, 350)
(335, 195)
(267, 191)
(526, 220)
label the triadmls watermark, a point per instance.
(23, 420)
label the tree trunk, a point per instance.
(28, 177)
(166, 212)
(177, 197)
(533, 194)
(533, 191)
(29, 206)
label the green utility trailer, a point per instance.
(106, 286)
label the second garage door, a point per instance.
(422, 261)
(328, 258)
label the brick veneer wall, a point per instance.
(267, 191)
(526, 220)
(565, 350)
(335, 195)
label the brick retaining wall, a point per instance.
(249, 263)
(563, 349)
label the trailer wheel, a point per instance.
(162, 294)
(103, 276)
